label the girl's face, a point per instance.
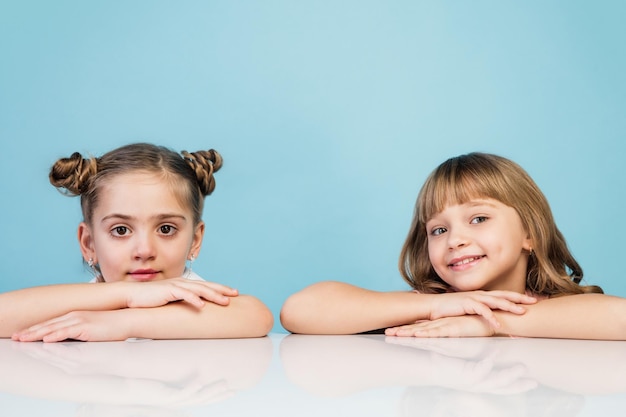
(139, 230)
(479, 245)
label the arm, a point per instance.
(244, 316)
(340, 308)
(26, 307)
(583, 316)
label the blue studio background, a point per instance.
(329, 116)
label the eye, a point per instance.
(478, 219)
(120, 231)
(438, 231)
(167, 229)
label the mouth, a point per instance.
(143, 274)
(465, 261)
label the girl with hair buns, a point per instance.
(484, 258)
(142, 206)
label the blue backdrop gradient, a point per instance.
(329, 116)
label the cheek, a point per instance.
(435, 256)
(109, 260)
(109, 269)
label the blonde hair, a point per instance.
(552, 270)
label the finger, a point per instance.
(47, 323)
(391, 331)
(180, 293)
(59, 335)
(47, 331)
(197, 296)
(432, 332)
(222, 289)
(197, 285)
(484, 311)
(210, 291)
(405, 331)
(36, 332)
(501, 304)
(513, 296)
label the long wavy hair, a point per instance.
(552, 270)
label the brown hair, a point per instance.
(552, 270)
(190, 174)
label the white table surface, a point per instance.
(297, 375)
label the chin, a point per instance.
(467, 287)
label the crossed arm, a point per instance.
(340, 308)
(584, 316)
(168, 309)
(337, 308)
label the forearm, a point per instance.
(340, 308)
(26, 307)
(244, 316)
(585, 316)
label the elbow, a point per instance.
(622, 318)
(289, 314)
(261, 318)
(266, 322)
(301, 311)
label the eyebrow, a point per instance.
(163, 216)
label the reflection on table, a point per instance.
(135, 377)
(479, 377)
(285, 375)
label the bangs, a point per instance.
(459, 181)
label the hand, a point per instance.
(158, 293)
(480, 303)
(77, 325)
(461, 326)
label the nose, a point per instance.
(457, 238)
(144, 248)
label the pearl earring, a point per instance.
(190, 260)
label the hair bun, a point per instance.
(71, 175)
(204, 164)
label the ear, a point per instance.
(85, 240)
(527, 244)
(196, 242)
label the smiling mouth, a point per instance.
(467, 261)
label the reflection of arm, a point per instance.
(340, 308)
(359, 363)
(585, 316)
(171, 372)
(341, 365)
(588, 367)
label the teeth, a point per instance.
(466, 261)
